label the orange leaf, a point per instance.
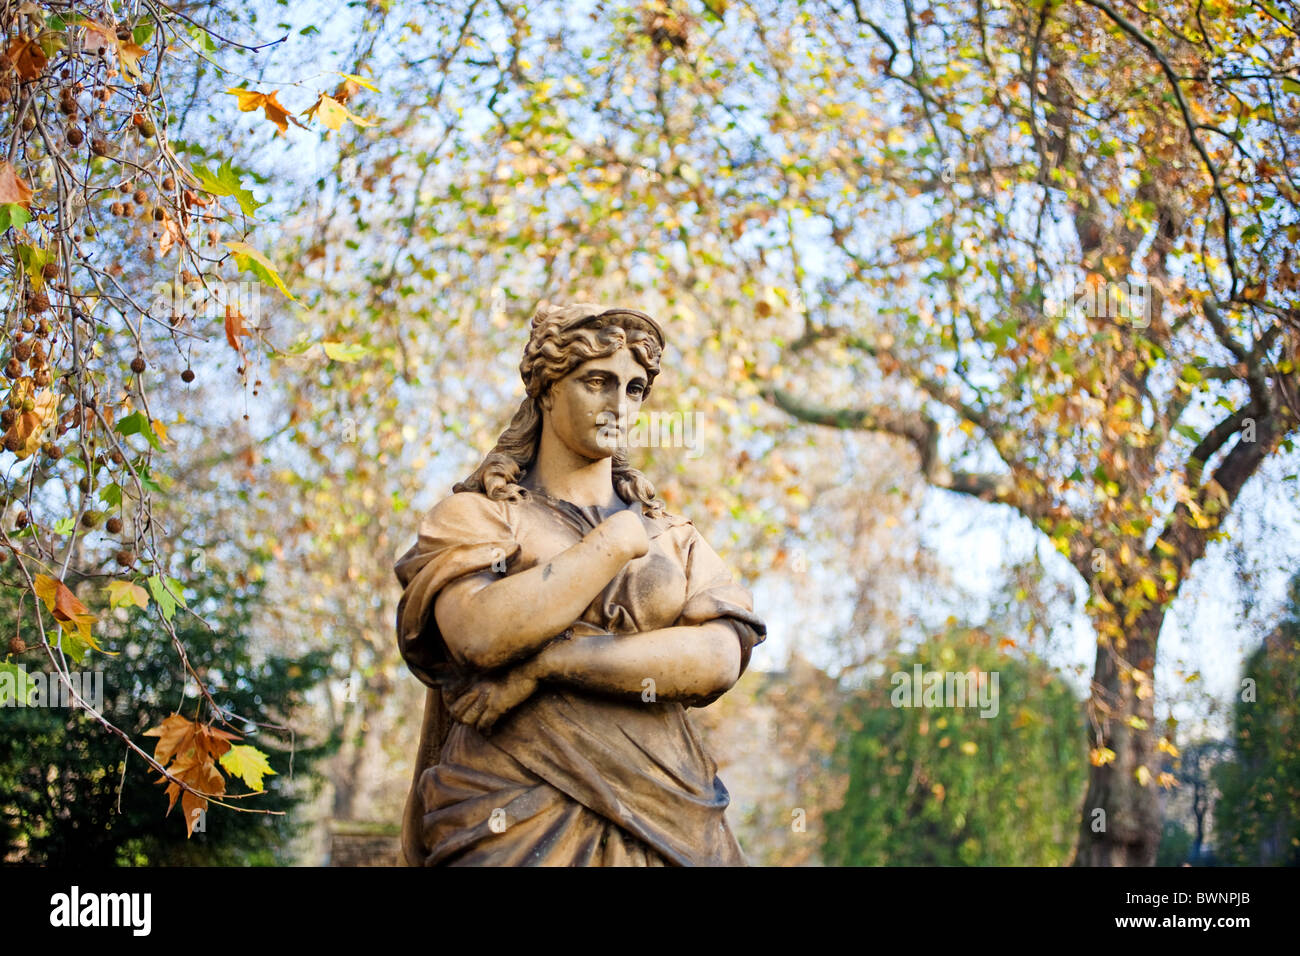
(27, 57)
(31, 426)
(12, 187)
(250, 100)
(176, 737)
(235, 327)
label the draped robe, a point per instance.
(571, 776)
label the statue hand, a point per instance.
(488, 699)
(626, 531)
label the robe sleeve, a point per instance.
(463, 534)
(712, 593)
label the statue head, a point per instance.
(562, 339)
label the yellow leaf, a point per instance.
(1143, 775)
(244, 249)
(332, 113)
(247, 763)
(359, 80)
(126, 594)
(128, 54)
(1100, 756)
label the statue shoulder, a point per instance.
(470, 509)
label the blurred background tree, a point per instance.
(65, 797)
(1258, 814)
(945, 786)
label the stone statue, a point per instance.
(563, 621)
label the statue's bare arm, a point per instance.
(688, 663)
(692, 664)
(489, 621)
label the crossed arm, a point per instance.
(509, 625)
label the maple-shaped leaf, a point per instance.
(27, 57)
(332, 113)
(199, 773)
(126, 594)
(67, 610)
(176, 736)
(247, 763)
(210, 742)
(250, 100)
(128, 51)
(226, 182)
(128, 54)
(12, 187)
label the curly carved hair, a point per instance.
(563, 338)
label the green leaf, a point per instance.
(226, 182)
(202, 38)
(247, 763)
(249, 259)
(12, 214)
(178, 589)
(64, 526)
(166, 603)
(15, 685)
(112, 495)
(137, 424)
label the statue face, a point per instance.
(592, 408)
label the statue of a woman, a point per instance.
(563, 621)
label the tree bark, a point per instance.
(1120, 823)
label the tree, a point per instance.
(1103, 262)
(117, 231)
(943, 783)
(1257, 817)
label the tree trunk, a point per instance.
(1121, 819)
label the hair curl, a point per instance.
(561, 340)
